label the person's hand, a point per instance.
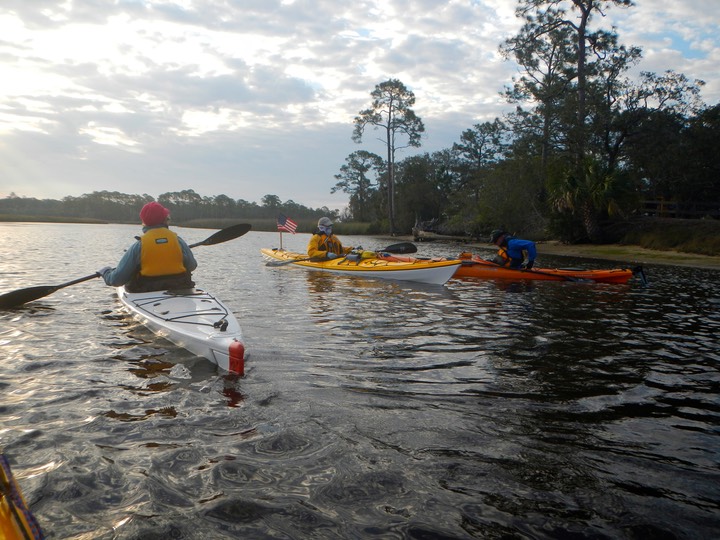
(104, 270)
(332, 255)
(528, 265)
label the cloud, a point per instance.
(258, 97)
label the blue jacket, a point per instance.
(515, 248)
(129, 265)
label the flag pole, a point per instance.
(280, 240)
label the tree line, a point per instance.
(185, 206)
(583, 148)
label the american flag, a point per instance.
(286, 224)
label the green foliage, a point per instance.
(420, 189)
(512, 199)
(46, 219)
(354, 180)
(353, 228)
(567, 227)
(391, 112)
(691, 236)
(591, 193)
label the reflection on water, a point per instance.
(478, 409)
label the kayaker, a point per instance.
(513, 250)
(324, 244)
(159, 260)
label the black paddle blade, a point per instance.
(402, 248)
(229, 233)
(23, 296)
(17, 298)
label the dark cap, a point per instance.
(497, 233)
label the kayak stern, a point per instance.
(194, 320)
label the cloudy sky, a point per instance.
(253, 97)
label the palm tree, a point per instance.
(593, 194)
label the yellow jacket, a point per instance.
(320, 245)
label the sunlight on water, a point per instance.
(369, 408)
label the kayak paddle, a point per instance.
(22, 296)
(229, 233)
(563, 276)
(531, 271)
(402, 248)
(398, 249)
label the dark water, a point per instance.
(479, 409)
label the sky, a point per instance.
(248, 98)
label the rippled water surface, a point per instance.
(478, 409)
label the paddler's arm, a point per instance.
(529, 246)
(313, 249)
(126, 268)
(189, 261)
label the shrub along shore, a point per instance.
(631, 254)
(627, 254)
(679, 242)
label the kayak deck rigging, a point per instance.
(223, 312)
(193, 319)
(376, 266)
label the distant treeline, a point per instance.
(186, 208)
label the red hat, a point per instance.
(154, 213)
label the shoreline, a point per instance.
(628, 254)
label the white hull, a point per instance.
(403, 268)
(194, 320)
(432, 276)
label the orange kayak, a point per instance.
(474, 267)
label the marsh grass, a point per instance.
(700, 236)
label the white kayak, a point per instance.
(192, 319)
(380, 266)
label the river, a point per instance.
(369, 409)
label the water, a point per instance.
(369, 409)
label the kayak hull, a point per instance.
(416, 270)
(476, 267)
(16, 519)
(192, 319)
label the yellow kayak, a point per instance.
(417, 270)
(16, 520)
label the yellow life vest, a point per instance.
(332, 245)
(502, 258)
(160, 253)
